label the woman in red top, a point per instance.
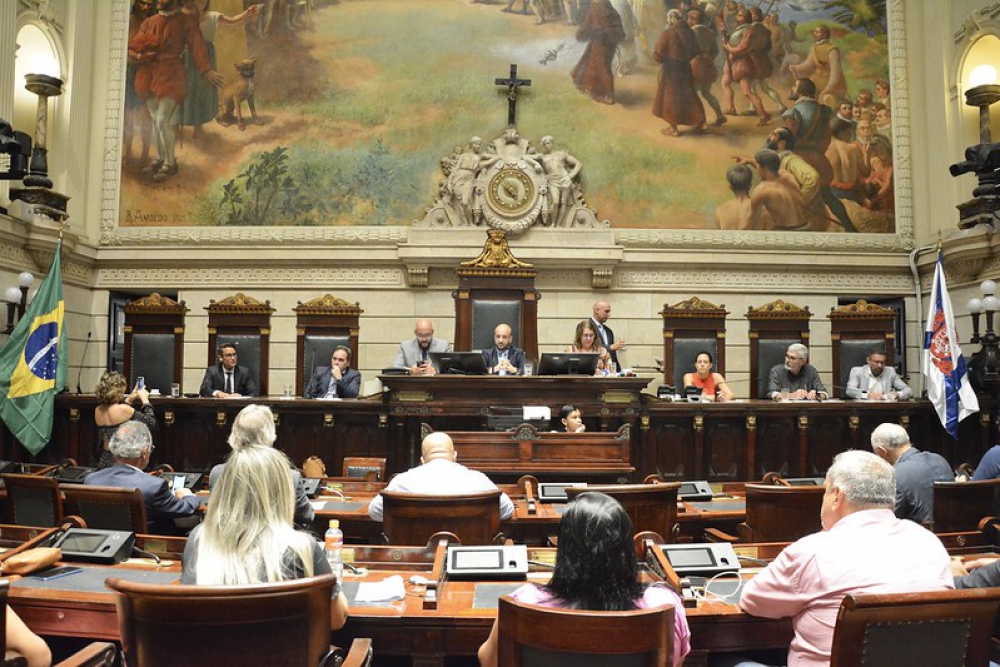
(713, 386)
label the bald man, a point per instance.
(440, 475)
(503, 358)
(413, 355)
(602, 311)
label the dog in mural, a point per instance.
(235, 93)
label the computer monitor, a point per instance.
(805, 481)
(568, 363)
(458, 363)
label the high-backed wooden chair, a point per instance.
(154, 341)
(371, 468)
(245, 322)
(107, 507)
(33, 500)
(855, 330)
(773, 327)
(411, 518)
(930, 629)
(649, 506)
(960, 506)
(531, 635)
(98, 654)
(690, 327)
(284, 623)
(776, 514)
(487, 297)
(321, 326)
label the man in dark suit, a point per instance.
(131, 446)
(227, 379)
(602, 311)
(338, 380)
(502, 359)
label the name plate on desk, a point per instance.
(487, 562)
(701, 559)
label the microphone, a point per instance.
(82, 358)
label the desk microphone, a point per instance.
(82, 359)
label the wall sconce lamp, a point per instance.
(16, 297)
(983, 158)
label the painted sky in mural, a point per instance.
(342, 112)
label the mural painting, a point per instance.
(770, 115)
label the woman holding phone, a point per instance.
(114, 408)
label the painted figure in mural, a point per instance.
(561, 169)
(136, 113)
(778, 194)
(849, 169)
(676, 99)
(879, 188)
(743, 48)
(733, 214)
(761, 54)
(882, 93)
(823, 65)
(809, 121)
(571, 11)
(602, 30)
(652, 15)
(883, 120)
(627, 54)
(463, 175)
(703, 67)
(846, 112)
(161, 82)
(202, 100)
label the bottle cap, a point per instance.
(334, 523)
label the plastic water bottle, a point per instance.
(334, 540)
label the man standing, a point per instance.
(131, 445)
(338, 380)
(440, 475)
(916, 472)
(413, 354)
(862, 549)
(797, 375)
(823, 66)
(742, 49)
(227, 379)
(602, 311)
(502, 359)
(875, 380)
(676, 100)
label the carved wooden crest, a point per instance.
(862, 310)
(239, 303)
(154, 303)
(694, 307)
(778, 309)
(328, 305)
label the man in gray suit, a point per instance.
(876, 381)
(413, 354)
(338, 380)
(131, 446)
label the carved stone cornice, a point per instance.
(328, 305)
(972, 23)
(239, 303)
(778, 309)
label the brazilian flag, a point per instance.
(33, 364)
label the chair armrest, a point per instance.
(360, 655)
(98, 654)
(716, 535)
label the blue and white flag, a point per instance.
(948, 386)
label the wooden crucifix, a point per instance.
(512, 83)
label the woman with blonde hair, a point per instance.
(114, 409)
(248, 536)
(587, 340)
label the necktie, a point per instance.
(500, 359)
(229, 382)
(423, 354)
(331, 390)
(603, 333)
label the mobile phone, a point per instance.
(177, 483)
(140, 382)
(56, 572)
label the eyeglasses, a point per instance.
(791, 357)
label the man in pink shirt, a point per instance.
(863, 548)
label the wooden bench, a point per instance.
(549, 456)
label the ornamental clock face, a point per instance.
(511, 193)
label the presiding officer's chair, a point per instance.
(930, 629)
(33, 500)
(649, 506)
(535, 636)
(961, 506)
(107, 507)
(409, 519)
(275, 624)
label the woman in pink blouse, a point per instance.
(596, 569)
